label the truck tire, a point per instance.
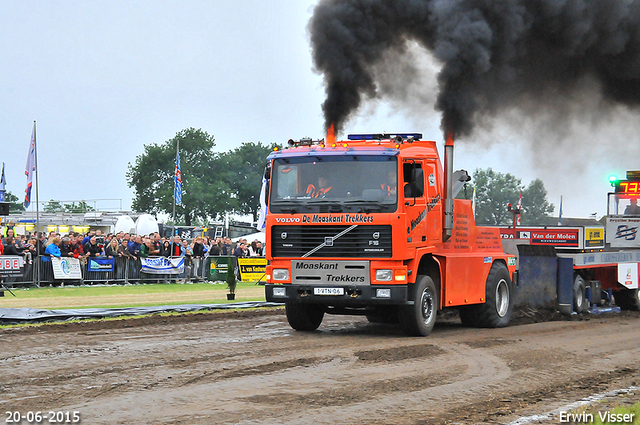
(496, 311)
(579, 294)
(304, 317)
(418, 319)
(628, 299)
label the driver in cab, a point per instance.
(319, 191)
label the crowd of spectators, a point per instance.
(98, 244)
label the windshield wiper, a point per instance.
(365, 205)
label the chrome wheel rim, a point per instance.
(427, 306)
(502, 298)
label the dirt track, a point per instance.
(251, 368)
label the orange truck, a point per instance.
(370, 226)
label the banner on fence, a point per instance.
(101, 264)
(163, 265)
(252, 269)
(11, 265)
(66, 268)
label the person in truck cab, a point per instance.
(321, 190)
(390, 187)
(632, 208)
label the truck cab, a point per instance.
(358, 227)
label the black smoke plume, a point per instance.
(494, 54)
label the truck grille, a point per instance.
(361, 241)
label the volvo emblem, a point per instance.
(328, 241)
(283, 235)
(376, 235)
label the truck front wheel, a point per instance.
(304, 317)
(418, 319)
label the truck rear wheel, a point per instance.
(579, 294)
(418, 319)
(628, 299)
(304, 317)
(496, 311)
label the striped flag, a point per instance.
(177, 192)
(31, 168)
(3, 184)
(519, 207)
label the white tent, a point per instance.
(261, 236)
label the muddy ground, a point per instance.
(250, 368)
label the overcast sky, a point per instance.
(104, 78)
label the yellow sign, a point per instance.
(252, 269)
(593, 236)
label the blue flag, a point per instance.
(177, 192)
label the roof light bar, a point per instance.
(381, 136)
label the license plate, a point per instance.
(328, 291)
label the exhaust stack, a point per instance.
(447, 229)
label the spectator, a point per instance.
(52, 250)
(216, 248)
(65, 247)
(166, 249)
(145, 248)
(176, 247)
(123, 249)
(240, 250)
(156, 246)
(11, 248)
(30, 250)
(227, 247)
(112, 248)
(91, 248)
(135, 246)
(254, 251)
(187, 252)
(76, 246)
(198, 256)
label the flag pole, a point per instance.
(35, 146)
(175, 188)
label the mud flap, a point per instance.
(538, 275)
(565, 285)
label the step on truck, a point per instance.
(370, 226)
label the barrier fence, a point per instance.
(121, 270)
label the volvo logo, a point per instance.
(283, 235)
(376, 235)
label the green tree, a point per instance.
(535, 205)
(243, 170)
(53, 206)
(153, 172)
(15, 204)
(495, 191)
(79, 207)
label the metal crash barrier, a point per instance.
(96, 270)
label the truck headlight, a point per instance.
(384, 275)
(280, 274)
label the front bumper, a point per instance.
(354, 295)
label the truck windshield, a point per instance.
(362, 183)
